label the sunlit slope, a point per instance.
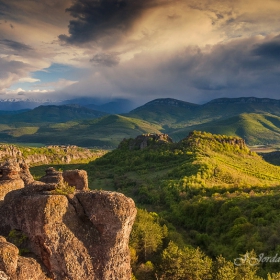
(254, 128)
(173, 113)
(201, 160)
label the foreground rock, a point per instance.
(9, 178)
(77, 235)
(13, 266)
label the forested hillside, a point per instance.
(210, 200)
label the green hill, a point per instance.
(254, 128)
(175, 113)
(202, 161)
(165, 111)
(106, 131)
(218, 194)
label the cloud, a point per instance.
(11, 45)
(20, 91)
(14, 67)
(227, 69)
(269, 50)
(106, 59)
(96, 19)
(192, 50)
(61, 83)
(28, 80)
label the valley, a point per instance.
(257, 120)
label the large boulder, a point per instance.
(76, 178)
(73, 233)
(79, 236)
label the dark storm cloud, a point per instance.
(17, 46)
(238, 64)
(269, 49)
(4, 7)
(95, 19)
(200, 74)
(106, 59)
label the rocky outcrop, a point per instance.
(196, 138)
(145, 140)
(15, 267)
(47, 155)
(78, 235)
(9, 178)
(76, 178)
(52, 176)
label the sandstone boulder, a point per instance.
(82, 236)
(52, 176)
(79, 234)
(9, 178)
(76, 178)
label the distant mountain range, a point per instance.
(113, 106)
(257, 120)
(52, 114)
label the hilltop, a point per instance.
(254, 128)
(202, 160)
(179, 113)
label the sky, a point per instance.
(192, 50)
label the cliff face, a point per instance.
(81, 234)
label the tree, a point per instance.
(186, 263)
(147, 234)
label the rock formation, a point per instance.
(79, 234)
(47, 155)
(77, 178)
(9, 178)
(13, 266)
(145, 140)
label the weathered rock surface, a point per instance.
(145, 140)
(15, 267)
(47, 155)
(83, 235)
(9, 178)
(77, 178)
(52, 176)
